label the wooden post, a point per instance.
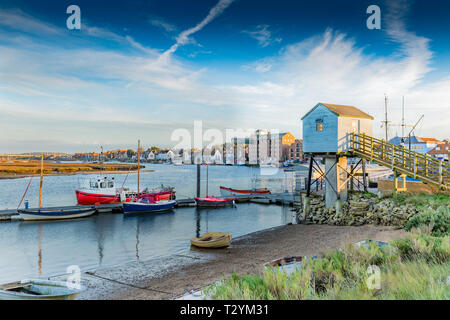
(363, 165)
(351, 177)
(207, 181)
(139, 161)
(198, 180)
(42, 178)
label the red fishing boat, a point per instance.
(102, 190)
(226, 192)
(214, 202)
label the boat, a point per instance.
(287, 265)
(55, 214)
(143, 205)
(212, 240)
(102, 190)
(225, 192)
(215, 202)
(38, 290)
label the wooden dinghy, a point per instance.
(38, 290)
(212, 240)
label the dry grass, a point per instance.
(34, 167)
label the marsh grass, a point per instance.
(412, 268)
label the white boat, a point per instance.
(38, 290)
(55, 214)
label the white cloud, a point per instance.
(162, 24)
(183, 37)
(263, 35)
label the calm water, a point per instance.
(30, 249)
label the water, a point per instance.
(32, 249)
(60, 190)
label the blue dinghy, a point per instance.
(143, 205)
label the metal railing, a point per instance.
(416, 165)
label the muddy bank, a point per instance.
(168, 277)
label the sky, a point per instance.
(146, 69)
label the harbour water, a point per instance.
(35, 249)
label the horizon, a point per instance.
(145, 69)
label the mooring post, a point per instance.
(363, 164)
(306, 203)
(198, 180)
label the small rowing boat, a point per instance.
(215, 202)
(144, 205)
(213, 240)
(38, 290)
(55, 214)
(227, 192)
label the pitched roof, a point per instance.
(343, 111)
(432, 140)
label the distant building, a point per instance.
(295, 151)
(441, 151)
(165, 155)
(418, 144)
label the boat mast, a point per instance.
(42, 176)
(207, 181)
(139, 161)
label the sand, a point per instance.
(169, 277)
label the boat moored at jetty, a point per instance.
(226, 192)
(55, 214)
(213, 202)
(102, 190)
(145, 206)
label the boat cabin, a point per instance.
(326, 127)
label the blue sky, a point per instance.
(142, 69)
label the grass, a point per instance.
(34, 167)
(416, 267)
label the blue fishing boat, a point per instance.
(144, 205)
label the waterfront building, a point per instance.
(325, 127)
(295, 151)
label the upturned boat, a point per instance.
(212, 240)
(38, 290)
(55, 214)
(227, 192)
(145, 206)
(215, 202)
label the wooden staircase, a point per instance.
(401, 160)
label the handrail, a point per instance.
(416, 165)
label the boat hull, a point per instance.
(40, 215)
(38, 290)
(214, 202)
(136, 207)
(86, 198)
(218, 240)
(227, 192)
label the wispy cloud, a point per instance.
(18, 20)
(162, 24)
(263, 35)
(183, 37)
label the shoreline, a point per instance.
(5, 176)
(171, 276)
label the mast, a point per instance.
(403, 117)
(139, 161)
(42, 176)
(207, 181)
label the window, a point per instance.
(319, 125)
(110, 184)
(103, 184)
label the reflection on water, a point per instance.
(111, 239)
